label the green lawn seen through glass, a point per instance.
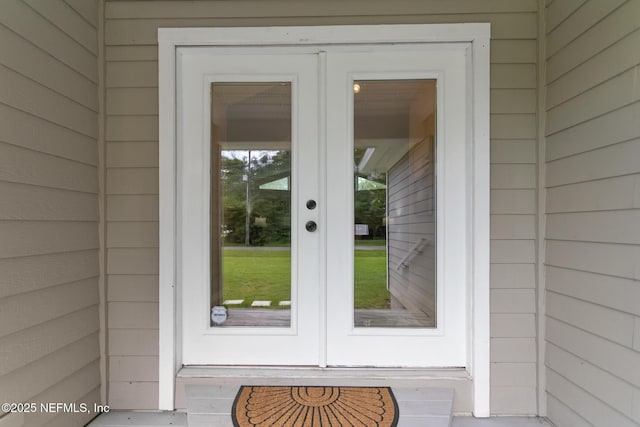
(266, 275)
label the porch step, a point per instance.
(210, 405)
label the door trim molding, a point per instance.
(477, 35)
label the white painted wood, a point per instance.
(299, 343)
(503, 51)
(353, 346)
(169, 342)
(481, 132)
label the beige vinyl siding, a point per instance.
(49, 211)
(593, 213)
(132, 161)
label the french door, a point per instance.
(323, 200)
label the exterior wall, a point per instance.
(49, 321)
(132, 175)
(411, 225)
(593, 213)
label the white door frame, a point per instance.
(475, 35)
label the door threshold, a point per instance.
(315, 372)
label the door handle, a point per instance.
(311, 226)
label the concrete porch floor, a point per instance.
(176, 419)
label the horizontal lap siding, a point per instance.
(49, 325)
(132, 161)
(593, 212)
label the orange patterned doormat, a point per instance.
(278, 406)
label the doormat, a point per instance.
(300, 406)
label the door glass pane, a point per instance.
(394, 203)
(251, 204)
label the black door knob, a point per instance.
(311, 226)
(311, 204)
